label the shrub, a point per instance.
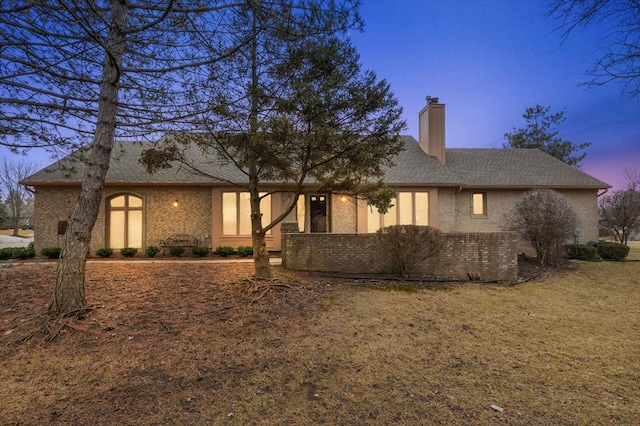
(104, 252)
(408, 245)
(129, 251)
(176, 251)
(23, 252)
(612, 251)
(200, 251)
(6, 253)
(224, 251)
(581, 251)
(51, 252)
(151, 251)
(545, 219)
(245, 251)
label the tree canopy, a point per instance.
(541, 133)
(295, 107)
(82, 73)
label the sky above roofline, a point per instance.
(490, 60)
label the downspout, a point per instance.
(603, 192)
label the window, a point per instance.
(124, 226)
(236, 212)
(301, 212)
(409, 208)
(479, 204)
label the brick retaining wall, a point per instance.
(490, 255)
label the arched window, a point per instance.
(124, 221)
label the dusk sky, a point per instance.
(490, 60)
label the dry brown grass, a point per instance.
(21, 232)
(196, 344)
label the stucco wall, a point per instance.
(492, 256)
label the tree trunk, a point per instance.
(261, 265)
(68, 295)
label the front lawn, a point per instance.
(199, 344)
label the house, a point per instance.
(455, 190)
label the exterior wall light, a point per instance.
(175, 203)
(343, 199)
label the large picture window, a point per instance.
(236, 212)
(124, 226)
(409, 208)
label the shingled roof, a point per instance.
(477, 168)
(516, 168)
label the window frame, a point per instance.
(238, 209)
(126, 208)
(484, 196)
(398, 209)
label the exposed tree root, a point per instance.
(48, 329)
(258, 288)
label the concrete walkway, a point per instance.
(274, 261)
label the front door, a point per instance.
(318, 213)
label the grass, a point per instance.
(21, 232)
(193, 344)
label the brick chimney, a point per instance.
(431, 129)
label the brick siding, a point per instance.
(491, 255)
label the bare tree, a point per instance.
(80, 73)
(294, 107)
(620, 60)
(620, 211)
(409, 245)
(545, 219)
(14, 194)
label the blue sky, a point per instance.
(490, 60)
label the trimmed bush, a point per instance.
(200, 251)
(224, 251)
(129, 251)
(176, 251)
(245, 251)
(51, 252)
(151, 251)
(104, 252)
(6, 253)
(581, 251)
(612, 251)
(23, 252)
